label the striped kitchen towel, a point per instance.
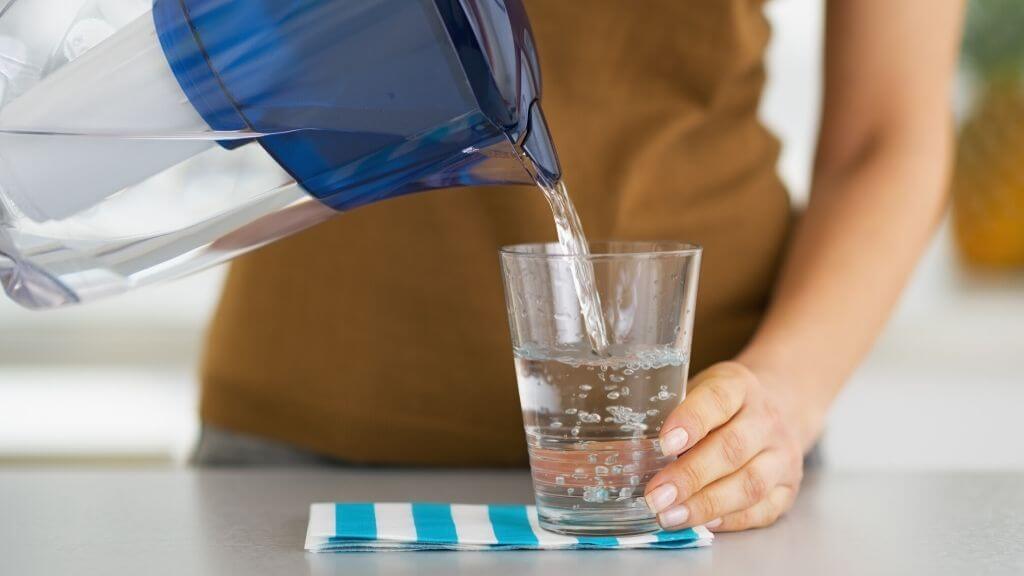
(360, 527)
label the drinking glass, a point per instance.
(592, 417)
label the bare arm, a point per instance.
(878, 191)
(879, 188)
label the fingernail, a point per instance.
(713, 524)
(674, 441)
(674, 516)
(661, 497)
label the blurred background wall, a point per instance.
(115, 381)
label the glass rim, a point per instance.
(654, 249)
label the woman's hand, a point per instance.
(741, 454)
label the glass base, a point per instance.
(583, 525)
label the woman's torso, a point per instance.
(393, 347)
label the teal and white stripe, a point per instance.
(426, 526)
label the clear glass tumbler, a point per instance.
(592, 418)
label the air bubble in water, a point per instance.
(570, 411)
(612, 458)
(559, 480)
(652, 412)
(628, 372)
(617, 469)
(570, 491)
(575, 431)
(592, 458)
(601, 470)
(597, 494)
(629, 468)
(587, 387)
(625, 493)
(613, 395)
(556, 423)
(624, 390)
(634, 480)
(610, 387)
(616, 378)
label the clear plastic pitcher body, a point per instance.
(141, 141)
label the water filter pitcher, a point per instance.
(145, 140)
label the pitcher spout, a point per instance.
(538, 149)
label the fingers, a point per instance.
(717, 394)
(738, 491)
(764, 513)
(726, 450)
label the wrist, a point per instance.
(802, 396)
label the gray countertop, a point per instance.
(138, 521)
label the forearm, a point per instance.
(878, 191)
(853, 250)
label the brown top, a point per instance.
(393, 346)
